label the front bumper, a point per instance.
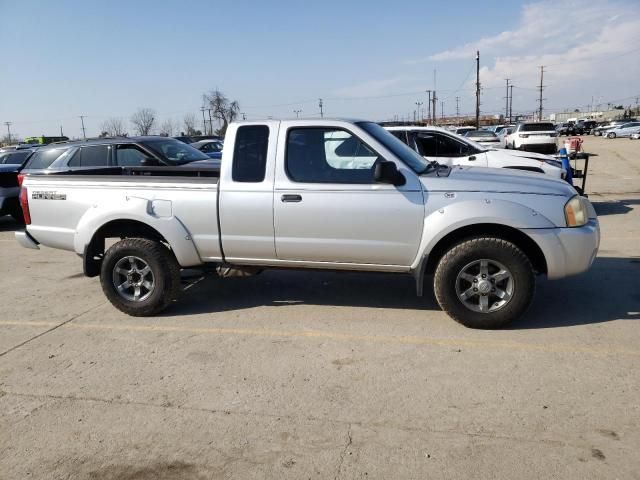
(568, 251)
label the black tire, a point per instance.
(164, 269)
(496, 250)
(611, 135)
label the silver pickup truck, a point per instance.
(318, 194)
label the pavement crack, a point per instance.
(344, 452)
(55, 327)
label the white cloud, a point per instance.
(549, 27)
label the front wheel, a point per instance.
(140, 277)
(484, 282)
(611, 135)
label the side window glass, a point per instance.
(250, 153)
(427, 145)
(449, 147)
(75, 159)
(129, 156)
(322, 155)
(400, 135)
(94, 156)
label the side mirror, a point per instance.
(387, 172)
(149, 162)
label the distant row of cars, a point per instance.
(625, 128)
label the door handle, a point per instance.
(291, 198)
(472, 158)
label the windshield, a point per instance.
(175, 151)
(537, 127)
(44, 158)
(412, 159)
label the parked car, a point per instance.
(211, 148)
(602, 129)
(533, 137)
(463, 130)
(584, 127)
(624, 130)
(10, 164)
(564, 129)
(114, 152)
(185, 138)
(483, 137)
(324, 194)
(634, 136)
(438, 144)
(502, 136)
(15, 157)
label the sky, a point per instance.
(366, 59)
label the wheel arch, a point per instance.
(520, 239)
(121, 228)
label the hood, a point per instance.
(482, 179)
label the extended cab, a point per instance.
(323, 194)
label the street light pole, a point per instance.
(84, 134)
(297, 112)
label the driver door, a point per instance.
(447, 150)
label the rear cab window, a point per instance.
(250, 154)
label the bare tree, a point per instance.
(190, 121)
(168, 128)
(113, 127)
(144, 120)
(223, 109)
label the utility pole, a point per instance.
(429, 106)
(510, 102)
(84, 135)
(419, 104)
(442, 110)
(210, 123)
(61, 134)
(320, 105)
(244, 116)
(204, 122)
(8, 124)
(435, 98)
(506, 108)
(297, 112)
(541, 87)
(478, 89)
(457, 108)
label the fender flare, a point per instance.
(447, 220)
(138, 210)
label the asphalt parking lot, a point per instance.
(326, 375)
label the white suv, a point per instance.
(447, 148)
(533, 137)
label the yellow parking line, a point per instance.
(406, 340)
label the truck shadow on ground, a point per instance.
(615, 207)
(606, 292)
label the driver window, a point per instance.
(325, 155)
(129, 156)
(450, 147)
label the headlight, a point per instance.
(575, 212)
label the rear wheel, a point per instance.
(140, 277)
(484, 282)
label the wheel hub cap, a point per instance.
(485, 286)
(133, 279)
